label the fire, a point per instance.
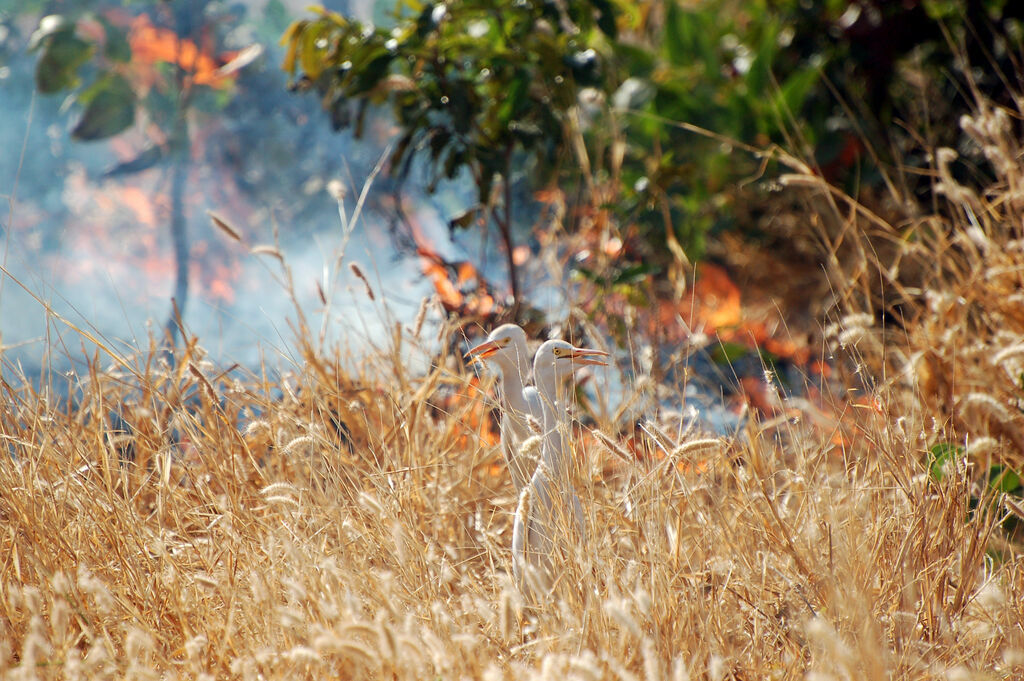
(714, 300)
(121, 234)
(220, 289)
(150, 44)
(520, 255)
(715, 305)
(466, 272)
(450, 292)
(459, 285)
(212, 274)
(474, 425)
(446, 291)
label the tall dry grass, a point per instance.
(333, 524)
(929, 296)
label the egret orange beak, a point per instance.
(482, 351)
(586, 356)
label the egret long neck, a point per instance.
(512, 384)
(554, 446)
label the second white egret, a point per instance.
(549, 504)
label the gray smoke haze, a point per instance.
(94, 252)
(97, 251)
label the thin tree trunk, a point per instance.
(505, 227)
(179, 230)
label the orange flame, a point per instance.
(446, 291)
(451, 280)
(120, 234)
(714, 300)
(150, 44)
(474, 425)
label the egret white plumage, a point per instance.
(549, 503)
(506, 348)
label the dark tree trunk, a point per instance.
(505, 227)
(179, 231)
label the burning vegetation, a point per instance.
(770, 487)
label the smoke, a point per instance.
(89, 251)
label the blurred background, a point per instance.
(584, 167)
(119, 133)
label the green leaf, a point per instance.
(939, 10)
(110, 108)
(587, 274)
(514, 98)
(688, 39)
(636, 61)
(939, 455)
(790, 99)
(727, 352)
(64, 53)
(116, 47)
(1003, 479)
(313, 43)
(758, 77)
(49, 26)
(677, 44)
(291, 38)
(368, 75)
(634, 295)
(606, 18)
(634, 273)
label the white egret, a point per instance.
(549, 503)
(506, 347)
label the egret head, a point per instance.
(557, 359)
(505, 345)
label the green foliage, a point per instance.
(727, 352)
(729, 68)
(100, 73)
(116, 49)
(469, 83)
(942, 455)
(999, 480)
(109, 100)
(63, 54)
(622, 275)
(109, 108)
(490, 86)
(1005, 480)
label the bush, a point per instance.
(507, 89)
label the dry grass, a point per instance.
(929, 299)
(333, 525)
